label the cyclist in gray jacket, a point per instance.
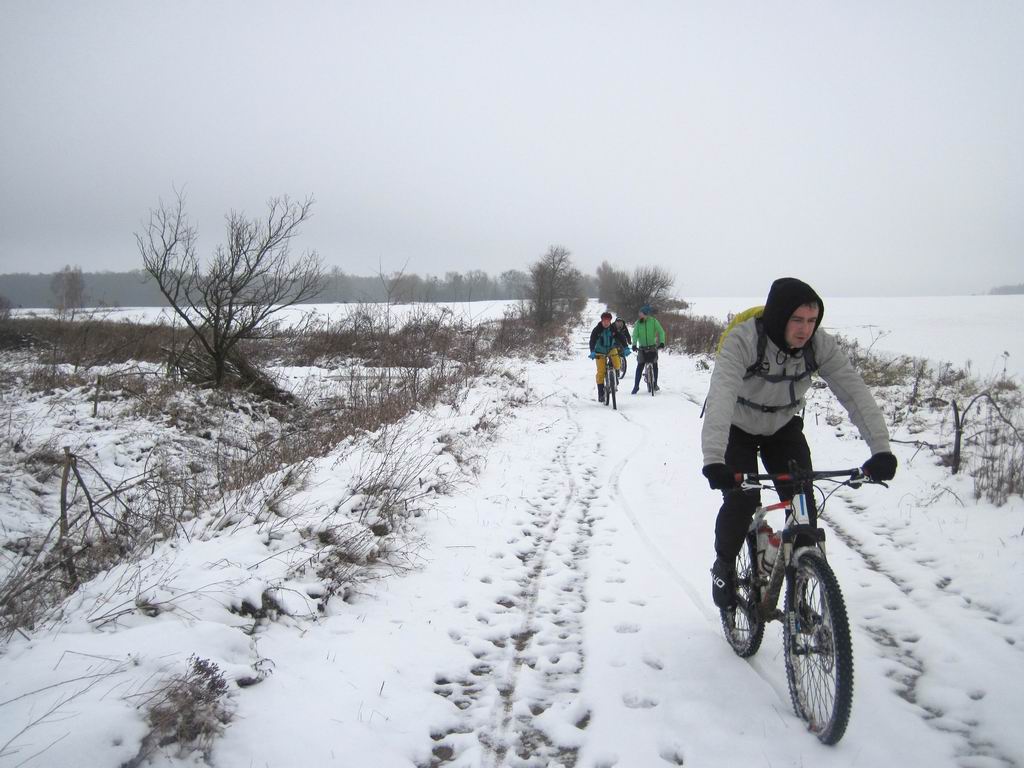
(761, 375)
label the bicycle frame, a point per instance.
(798, 526)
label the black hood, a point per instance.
(784, 297)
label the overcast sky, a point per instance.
(871, 148)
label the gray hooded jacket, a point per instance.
(727, 384)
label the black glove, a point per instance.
(720, 477)
(634, 347)
(880, 467)
(662, 345)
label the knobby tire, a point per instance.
(819, 654)
(743, 626)
(649, 378)
(610, 386)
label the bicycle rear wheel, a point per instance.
(819, 654)
(743, 626)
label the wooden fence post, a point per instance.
(66, 552)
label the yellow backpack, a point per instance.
(736, 320)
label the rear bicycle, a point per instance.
(650, 356)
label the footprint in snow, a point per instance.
(654, 663)
(638, 701)
(672, 753)
(638, 602)
(615, 580)
(626, 628)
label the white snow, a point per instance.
(555, 609)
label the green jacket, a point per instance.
(648, 332)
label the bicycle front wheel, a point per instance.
(610, 388)
(819, 654)
(743, 626)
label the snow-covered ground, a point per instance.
(556, 608)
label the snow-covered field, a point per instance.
(981, 330)
(556, 607)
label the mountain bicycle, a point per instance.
(816, 630)
(650, 358)
(611, 382)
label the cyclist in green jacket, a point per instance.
(648, 338)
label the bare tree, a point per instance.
(245, 283)
(608, 281)
(646, 285)
(555, 289)
(515, 284)
(68, 287)
(5, 308)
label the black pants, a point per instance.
(642, 358)
(777, 450)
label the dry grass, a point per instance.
(189, 710)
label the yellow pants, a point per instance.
(616, 363)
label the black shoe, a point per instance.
(657, 388)
(723, 584)
(635, 390)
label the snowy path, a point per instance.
(560, 615)
(563, 619)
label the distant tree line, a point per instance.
(1004, 290)
(71, 288)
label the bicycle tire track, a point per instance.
(520, 694)
(910, 667)
(616, 483)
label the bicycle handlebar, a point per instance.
(854, 475)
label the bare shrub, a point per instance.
(345, 552)
(645, 285)
(556, 290)
(50, 377)
(516, 334)
(878, 370)
(97, 526)
(188, 710)
(395, 473)
(693, 334)
(999, 473)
